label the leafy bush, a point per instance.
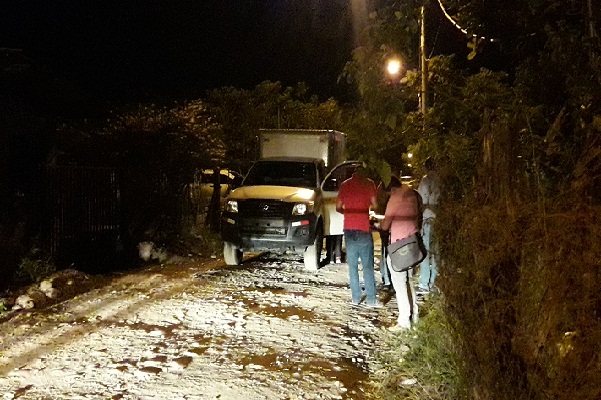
(523, 291)
(421, 363)
(199, 241)
(33, 268)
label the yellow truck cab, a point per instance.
(279, 206)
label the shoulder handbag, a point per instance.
(407, 252)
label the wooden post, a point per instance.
(214, 211)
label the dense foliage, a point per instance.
(517, 148)
(242, 113)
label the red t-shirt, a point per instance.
(356, 194)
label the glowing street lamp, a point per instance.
(393, 67)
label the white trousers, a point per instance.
(405, 296)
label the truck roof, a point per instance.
(301, 131)
(292, 159)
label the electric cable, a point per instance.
(450, 18)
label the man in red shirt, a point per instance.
(355, 197)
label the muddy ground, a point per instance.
(267, 329)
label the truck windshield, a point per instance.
(282, 173)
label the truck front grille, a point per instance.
(264, 231)
(265, 208)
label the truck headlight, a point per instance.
(302, 208)
(231, 206)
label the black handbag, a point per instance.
(407, 253)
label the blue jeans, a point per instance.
(360, 246)
(428, 269)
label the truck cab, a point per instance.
(278, 208)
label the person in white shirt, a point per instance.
(429, 189)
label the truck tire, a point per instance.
(312, 255)
(232, 254)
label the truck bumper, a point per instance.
(268, 234)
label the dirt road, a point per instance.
(267, 329)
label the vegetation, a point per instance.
(33, 268)
(421, 363)
(517, 150)
(241, 113)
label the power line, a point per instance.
(450, 18)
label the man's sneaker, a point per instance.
(422, 292)
(338, 260)
(377, 304)
(386, 288)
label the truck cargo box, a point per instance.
(328, 145)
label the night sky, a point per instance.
(142, 50)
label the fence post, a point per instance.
(214, 211)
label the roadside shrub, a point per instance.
(523, 297)
(33, 268)
(421, 363)
(156, 151)
(200, 241)
(558, 321)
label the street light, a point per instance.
(393, 67)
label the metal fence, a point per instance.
(94, 217)
(82, 214)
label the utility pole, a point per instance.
(591, 22)
(590, 27)
(423, 104)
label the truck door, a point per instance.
(333, 220)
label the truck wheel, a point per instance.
(312, 256)
(232, 254)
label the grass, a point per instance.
(33, 268)
(420, 363)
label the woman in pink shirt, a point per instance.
(401, 218)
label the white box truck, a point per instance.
(325, 144)
(280, 206)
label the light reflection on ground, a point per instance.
(267, 329)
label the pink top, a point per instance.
(356, 195)
(402, 210)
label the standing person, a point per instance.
(401, 218)
(384, 270)
(383, 196)
(355, 197)
(334, 249)
(429, 189)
